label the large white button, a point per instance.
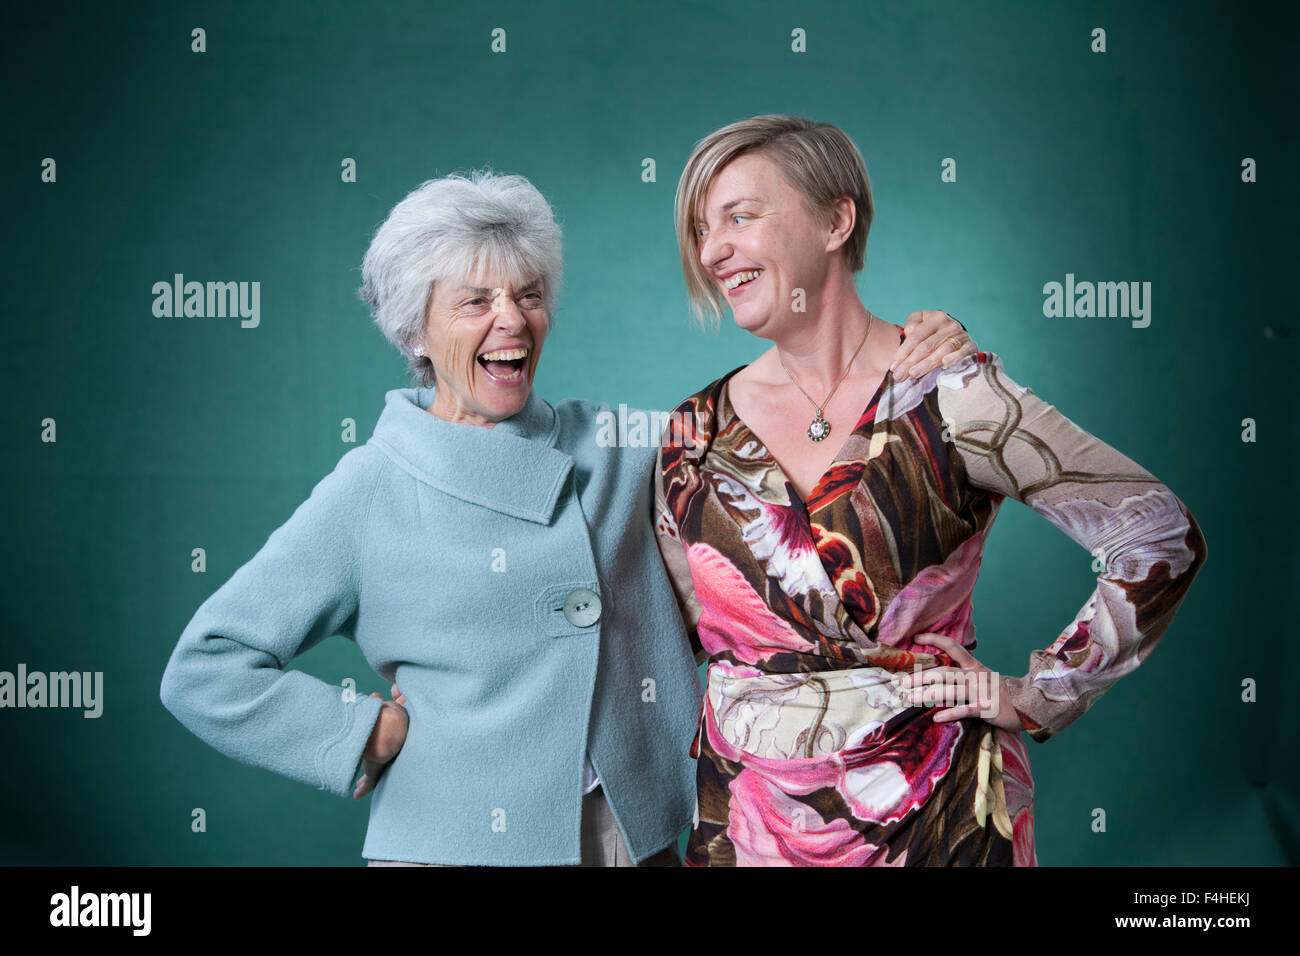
(582, 607)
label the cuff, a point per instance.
(1015, 689)
(338, 761)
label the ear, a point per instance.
(843, 217)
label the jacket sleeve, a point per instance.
(226, 679)
(674, 554)
(1146, 542)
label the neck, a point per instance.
(818, 348)
(449, 410)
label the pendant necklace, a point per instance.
(820, 428)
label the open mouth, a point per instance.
(504, 365)
(740, 281)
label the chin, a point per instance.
(750, 321)
(516, 405)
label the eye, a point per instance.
(536, 297)
(701, 231)
(739, 215)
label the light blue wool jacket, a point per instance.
(460, 558)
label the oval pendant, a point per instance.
(819, 428)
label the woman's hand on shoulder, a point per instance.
(386, 740)
(930, 339)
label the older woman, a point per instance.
(486, 554)
(814, 573)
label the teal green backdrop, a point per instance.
(180, 433)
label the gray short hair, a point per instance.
(444, 230)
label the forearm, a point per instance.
(238, 701)
(226, 679)
(1147, 543)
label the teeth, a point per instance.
(740, 277)
(504, 355)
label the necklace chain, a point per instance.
(820, 428)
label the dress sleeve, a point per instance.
(674, 554)
(1146, 542)
(226, 679)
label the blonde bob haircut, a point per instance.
(817, 159)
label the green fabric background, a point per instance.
(186, 432)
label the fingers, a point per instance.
(957, 713)
(364, 786)
(975, 688)
(950, 688)
(966, 351)
(397, 695)
(929, 676)
(913, 320)
(945, 346)
(915, 334)
(908, 352)
(955, 650)
(930, 339)
(371, 770)
(922, 353)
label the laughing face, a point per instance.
(759, 244)
(484, 337)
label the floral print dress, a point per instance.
(809, 610)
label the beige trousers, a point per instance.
(602, 844)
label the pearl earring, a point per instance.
(419, 350)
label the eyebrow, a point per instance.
(479, 290)
(728, 205)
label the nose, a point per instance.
(509, 319)
(713, 251)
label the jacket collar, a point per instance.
(513, 467)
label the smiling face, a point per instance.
(484, 337)
(758, 243)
